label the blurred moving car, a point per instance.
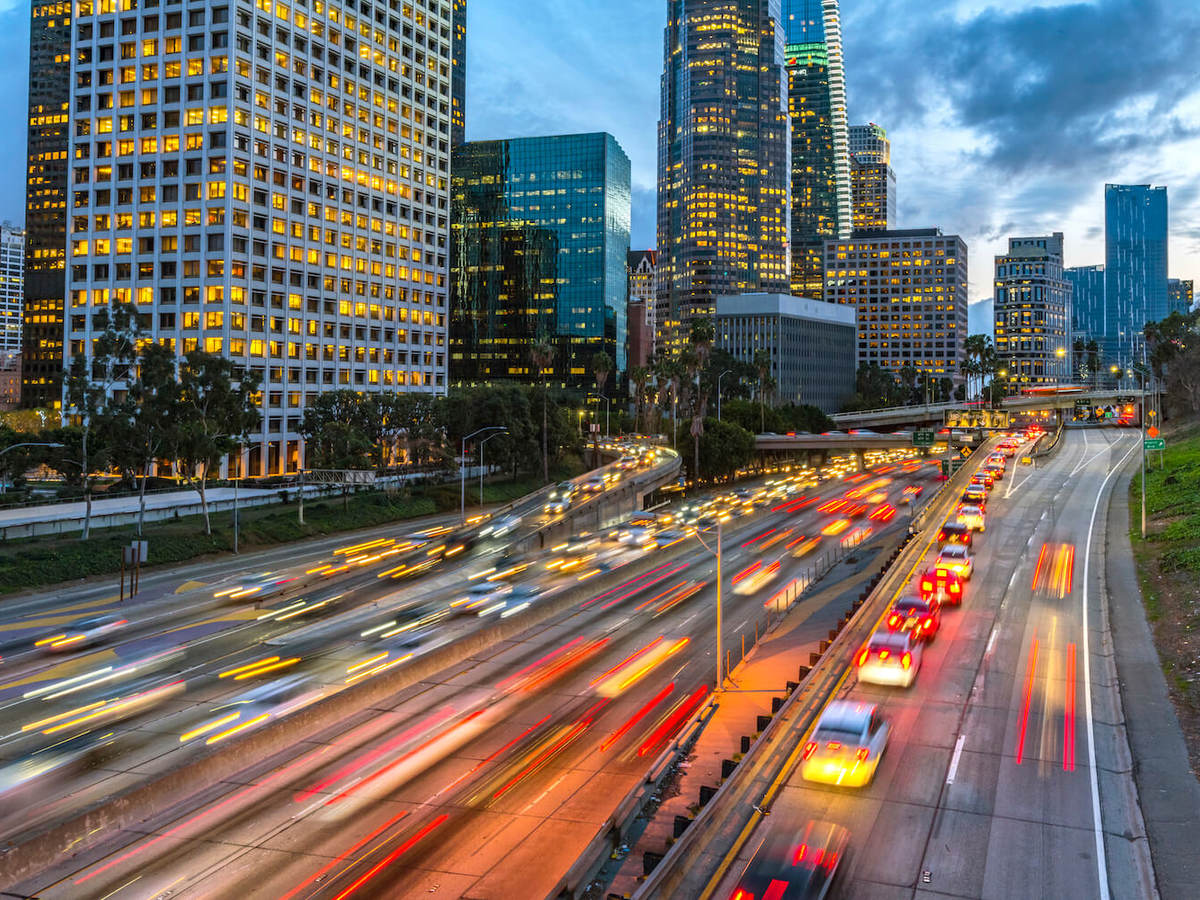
(972, 516)
(954, 532)
(919, 616)
(794, 865)
(259, 586)
(943, 585)
(482, 598)
(846, 746)
(594, 485)
(957, 558)
(559, 499)
(82, 633)
(890, 657)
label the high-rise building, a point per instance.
(540, 239)
(47, 167)
(1087, 301)
(1135, 266)
(640, 266)
(822, 205)
(1032, 310)
(910, 290)
(270, 182)
(12, 286)
(723, 159)
(458, 74)
(1179, 296)
(872, 180)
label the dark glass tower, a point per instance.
(722, 158)
(458, 74)
(46, 202)
(821, 186)
(539, 236)
(1135, 267)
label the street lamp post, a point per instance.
(720, 642)
(482, 467)
(463, 469)
(719, 377)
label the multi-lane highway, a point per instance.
(1006, 772)
(487, 778)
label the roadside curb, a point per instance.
(1168, 791)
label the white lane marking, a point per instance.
(991, 641)
(688, 619)
(1088, 460)
(1012, 581)
(958, 747)
(1101, 863)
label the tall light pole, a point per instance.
(720, 640)
(482, 468)
(719, 377)
(463, 468)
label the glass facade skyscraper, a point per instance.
(1135, 257)
(1179, 296)
(723, 159)
(1087, 301)
(458, 73)
(540, 233)
(820, 178)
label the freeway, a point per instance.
(489, 777)
(1006, 773)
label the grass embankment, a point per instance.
(43, 561)
(1168, 563)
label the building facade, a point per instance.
(640, 266)
(46, 200)
(1135, 267)
(270, 182)
(1179, 296)
(909, 288)
(872, 180)
(1087, 300)
(1032, 310)
(812, 345)
(723, 159)
(540, 241)
(458, 75)
(12, 287)
(822, 202)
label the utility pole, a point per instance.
(720, 650)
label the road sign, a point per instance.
(923, 438)
(1155, 444)
(1152, 432)
(950, 466)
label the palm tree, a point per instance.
(762, 368)
(639, 377)
(669, 373)
(695, 358)
(602, 365)
(542, 353)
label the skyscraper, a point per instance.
(458, 74)
(872, 180)
(723, 158)
(1179, 295)
(46, 195)
(1087, 301)
(270, 182)
(1032, 309)
(641, 266)
(821, 184)
(540, 238)
(12, 287)
(1135, 270)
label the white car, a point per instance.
(637, 535)
(890, 657)
(483, 598)
(957, 558)
(502, 526)
(82, 633)
(595, 484)
(972, 517)
(846, 746)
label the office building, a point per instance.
(1087, 301)
(269, 182)
(12, 287)
(723, 159)
(458, 74)
(1135, 267)
(640, 266)
(910, 290)
(1032, 310)
(50, 66)
(872, 180)
(822, 203)
(540, 240)
(812, 345)
(1179, 296)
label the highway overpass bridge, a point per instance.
(932, 413)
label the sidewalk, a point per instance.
(752, 685)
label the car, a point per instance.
(911, 493)
(846, 746)
(627, 462)
(482, 598)
(559, 499)
(972, 516)
(921, 617)
(974, 495)
(501, 526)
(957, 558)
(986, 477)
(82, 633)
(637, 535)
(595, 484)
(800, 864)
(260, 585)
(943, 585)
(890, 658)
(954, 532)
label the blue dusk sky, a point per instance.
(1005, 119)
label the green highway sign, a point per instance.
(1154, 444)
(923, 438)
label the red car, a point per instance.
(921, 618)
(942, 585)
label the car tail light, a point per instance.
(883, 654)
(894, 621)
(927, 623)
(801, 852)
(831, 860)
(809, 749)
(739, 894)
(906, 660)
(927, 585)
(862, 656)
(862, 753)
(818, 856)
(954, 588)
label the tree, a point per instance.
(639, 379)
(91, 386)
(1093, 362)
(217, 411)
(979, 362)
(602, 365)
(764, 383)
(542, 353)
(724, 449)
(695, 359)
(338, 431)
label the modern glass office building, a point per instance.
(1032, 306)
(820, 177)
(872, 181)
(1179, 295)
(540, 233)
(723, 159)
(1135, 245)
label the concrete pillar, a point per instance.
(861, 455)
